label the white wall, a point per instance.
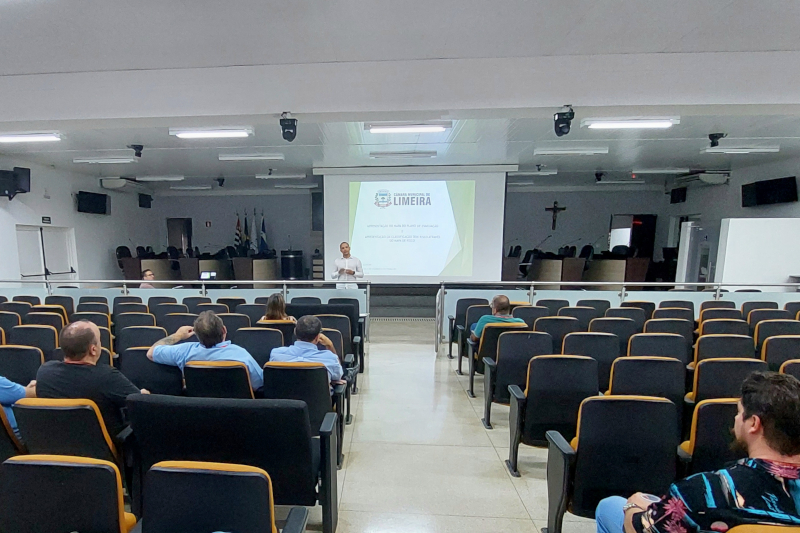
(96, 236)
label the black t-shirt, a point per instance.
(104, 385)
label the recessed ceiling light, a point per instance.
(304, 186)
(742, 150)
(211, 133)
(105, 160)
(409, 127)
(280, 176)
(410, 154)
(631, 123)
(571, 151)
(661, 171)
(159, 178)
(542, 172)
(29, 137)
(191, 187)
(251, 157)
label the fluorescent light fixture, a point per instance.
(631, 123)
(742, 150)
(661, 171)
(191, 187)
(621, 182)
(280, 176)
(105, 160)
(304, 186)
(29, 137)
(410, 154)
(549, 172)
(251, 157)
(409, 127)
(571, 151)
(211, 133)
(159, 178)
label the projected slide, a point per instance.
(413, 228)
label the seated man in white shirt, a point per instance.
(305, 349)
(211, 333)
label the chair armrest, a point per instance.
(450, 318)
(349, 360)
(296, 520)
(683, 455)
(560, 461)
(516, 413)
(338, 390)
(124, 435)
(489, 362)
(357, 339)
(328, 426)
(473, 345)
(516, 393)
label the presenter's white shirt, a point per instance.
(349, 263)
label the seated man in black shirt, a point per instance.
(79, 375)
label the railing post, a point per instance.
(439, 320)
(285, 292)
(124, 288)
(622, 294)
(531, 293)
(718, 292)
(203, 291)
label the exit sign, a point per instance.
(46, 220)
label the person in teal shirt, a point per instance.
(501, 312)
(10, 392)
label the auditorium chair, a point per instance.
(124, 300)
(552, 305)
(648, 307)
(510, 366)
(473, 314)
(623, 328)
(530, 313)
(793, 308)
(10, 445)
(43, 337)
(3, 299)
(722, 347)
(20, 308)
(309, 383)
(173, 321)
(673, 325)
(724, 313)
(623, 445)
(674, 312)
(234, 322)
(127, 320)
(662, 377)
(261, 300)
(45, 319)
(357, 311)
(217, 379)
(259, 342)
(558, 327)
(66, 302)
(759, 315)
(601, 306)
(254, 311)
(637, 314)
(154, 301)
(231, 302)
(8, 320)
(162, 310)
(677, 304)
(191, 303)
(709, 446)
(717, 304)
(583, 314)
(777, 350)
(602, 347)
(352, 345)
(214, 308)
(791, 367)
(67, 427)
(721, 378)
(348, 363)
(93, 299)
(772, 328)
(51, 309)
(93, 307)
(658, 345)
(286, 327)
(486, 346)
(20, 363)
(306, 300)
(193, 496)
(274, 435)
(138, 336)
(145, 374)
(39, 493)
(99, 319)
(724, 326)
(750, 306)
(106, 339)
(299, 310)
(555, 387)
(33, 300)
(128, 307)
(105, 356)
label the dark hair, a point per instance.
(500, 304)
(307, 328)
(276, 307)
(145, 271)
(76, 339)
(775, 399)
(209, 329)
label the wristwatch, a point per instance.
(630, 506)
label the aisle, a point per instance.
(417, 458)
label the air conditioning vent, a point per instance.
(123, 185)
(704, 178)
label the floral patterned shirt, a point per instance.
(752, 491)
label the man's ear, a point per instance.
(224, 333)
(756, 424)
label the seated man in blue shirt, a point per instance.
(305, 350)
(212, 347)
(10, 392)
(501, 312)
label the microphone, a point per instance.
(543, 241)
(572, 241)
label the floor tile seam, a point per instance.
(438, 514)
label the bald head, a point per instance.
(80, 340)
(501, 305)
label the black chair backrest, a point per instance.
(776, 350)
(474, 313)
(8, 320)
(335, 336)
(558, 327)
(623, 328)
(162, 310)
(552, 305)
(100, 319)
(674, 312)
(188, 496)
(216, 308)
(57, 309)
(717, 304)
(125, 300)
(217, 379)
(93, 307)
(153, 301)
(286, 327)
(343, 325)
(750, 306)
(259, 342)
(722, 347)
(138, 336)
(173, 321)
(771, 328)
(298, 310)
(487, 345)
(64, 301)
(234, 322)
(10, 445)
(658, 345)
(647, 307)
(556, 386)
(462, 304)
(528, 313)
(677, 304)
(793, 308)
(672, 325)
(791, 367)
(711, 435)
(20, 363)
(306, 300)
(231, 301)
(93, 299)
(20, 308)
(514, 351)
(759, 315)
(602, 347)
(583, 314)
(724, 326)
(129, 307)
(45, 319)
(601, 306)
(346, 301)
(274, 435)
(105, 356)
(722, 378)
(43, 337)
(625, 444)
(145, 374)
(191, 302)
(254, 311)
(637, 314)
(727, 313)
(33, 300)
(126, 320)
(307, 382)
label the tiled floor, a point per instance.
(418, 459)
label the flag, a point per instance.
(237, 238)
(262, 240)
(246, 238)
(254, 234)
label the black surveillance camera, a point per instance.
(598, 176)
(715, 137)
(137, 149)
(563, 120)
(221, 182)
(288, 127)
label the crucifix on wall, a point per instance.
(555, 209)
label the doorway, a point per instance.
(179, 233)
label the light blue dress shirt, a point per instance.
(180, 354)
(306, 352)
(10, 392)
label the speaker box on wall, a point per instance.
(145, 201)
(677, 196)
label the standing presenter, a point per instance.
(348, 268)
